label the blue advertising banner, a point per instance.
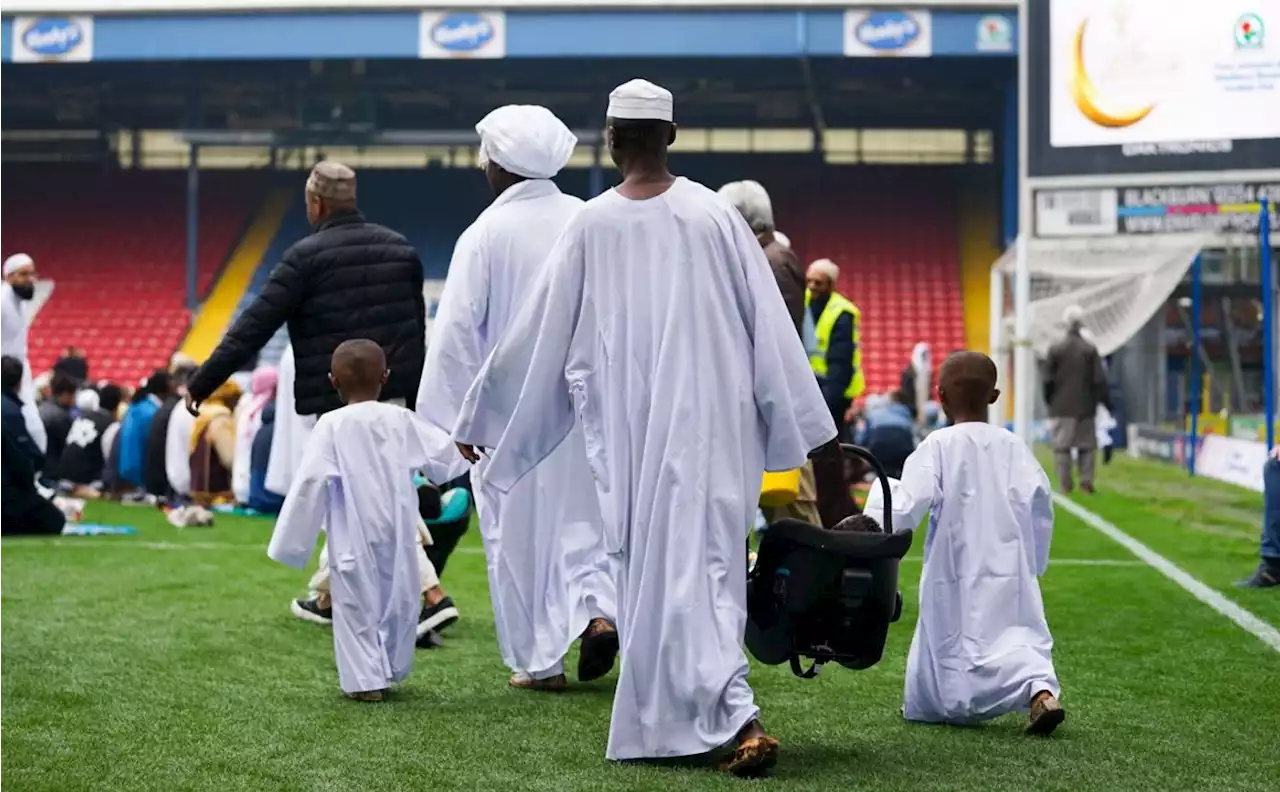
(444, 33)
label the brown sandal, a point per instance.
(555, 684)
(754, 756)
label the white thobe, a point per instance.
(982, 647)
(659, 326)
(14, 323)
(356, 478)
(548, 572)
(291, 431)
(177, 449)
(248, 417)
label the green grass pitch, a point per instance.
(169, 661)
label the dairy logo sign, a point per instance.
(462, 34)
(902, 34)
(53, 39)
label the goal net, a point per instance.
(1119, 283)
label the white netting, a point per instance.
(1118, 282)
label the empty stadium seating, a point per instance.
(114, 243)
(894, 234)
(893, 231)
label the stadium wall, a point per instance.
(979, 214)
(215, 315)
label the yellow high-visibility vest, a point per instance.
(836, 305)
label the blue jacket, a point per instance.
(134, 431)
(262, 499)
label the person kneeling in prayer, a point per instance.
(356, 477)
(982, 646)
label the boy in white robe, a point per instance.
(982, 647)
(356, 479)
(659, 328)
(549, 576)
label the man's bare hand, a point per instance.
(469, 452)
(193, 404)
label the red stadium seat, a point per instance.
(115, 247)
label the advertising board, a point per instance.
(1157, 209)
(888, 33)
(462, 34)
(52, 39)
(1130, 86)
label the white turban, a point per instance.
(87, 400)
(17, 261)
(825, 267)
(752, 201)
(782, 238)
(526, 140)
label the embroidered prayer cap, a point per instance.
(527, 140)
(640, 100)
(332, 181)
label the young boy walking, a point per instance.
(356, 478)
(982, 647)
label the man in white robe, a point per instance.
(982, 647)
(659, 327)
(549, 576)
(356, 478)
(15, 294)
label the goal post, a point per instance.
(1117, 282)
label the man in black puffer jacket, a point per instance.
(349, 279)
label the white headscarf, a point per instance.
(825, 267)
(527, 140)
(922, 364)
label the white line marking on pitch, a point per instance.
(1264, 632)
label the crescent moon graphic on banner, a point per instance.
(1086, 94)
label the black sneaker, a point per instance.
(1266, 576)
(438, 617)
(308, 610)
(429, 640)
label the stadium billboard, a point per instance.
(1133, 87)
(1160, 209)
(150, 6)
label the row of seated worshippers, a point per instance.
(144, 446)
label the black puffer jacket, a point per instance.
(350, 279)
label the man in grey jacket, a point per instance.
(1075, 383)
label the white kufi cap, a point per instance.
(527, 140)
(825, 267)
(640, 100)
(16, 262)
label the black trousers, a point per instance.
(26, 513)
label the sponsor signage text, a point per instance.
(462, 34)
(888, 33)
(52, 39)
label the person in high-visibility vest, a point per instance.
(837, 322)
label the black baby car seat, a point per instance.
(826, 594)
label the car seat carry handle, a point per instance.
(801, 672)
(859, 452)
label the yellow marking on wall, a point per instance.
(214, 316)
(979, 229)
